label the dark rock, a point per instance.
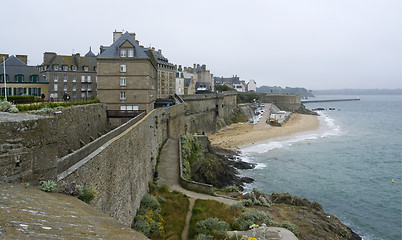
(247, 180)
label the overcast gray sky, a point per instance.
(316, 44)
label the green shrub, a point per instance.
(24, 108)
(48, 186)
(214, 227)
(233, 188)
(149, 217)
(291, 227)
(86, 193)
(204, 237)
(5, 106)
(250, 217)
(22, 99)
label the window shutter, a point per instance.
(29, 91)
(15, 91)
(25, 90)
(39, 92)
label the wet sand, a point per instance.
(240, 135)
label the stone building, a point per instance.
(21, 79)
(198, 78)
(74, 75)
(180, 81)
(166, 76)
(127, 74)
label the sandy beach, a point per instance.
(243, 134)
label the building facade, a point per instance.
(198, 78)
(166, 81)
(251, 86)
(127, 74)
(74, 75)
(21, 79)
(180, 81)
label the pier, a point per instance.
(330, 100)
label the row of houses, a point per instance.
(125, 75)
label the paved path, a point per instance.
(168, 169)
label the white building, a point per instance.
(251, 86)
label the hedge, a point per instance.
(25, 108)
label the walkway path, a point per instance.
(168, 169)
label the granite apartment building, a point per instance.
(127, 74)
(74, 75)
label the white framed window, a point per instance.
(123, 68)
(89, 78)
(65, 77)
(131, 52)
(123, 108)
(122, 95)
(56, 67)
(74, 68)
(65, 86)
(65, 68)
(55, 87)
(123, 52)
(74, 86)
(74, 95)
(123, 81)
(56, 95)
(82, 78)
(129, 108)
(83, 95)
(56, 77)
(135, 107)
(74, 78)
(86, 68)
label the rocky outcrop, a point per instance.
(309, 217)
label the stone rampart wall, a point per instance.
(31, 145)
(283, 101)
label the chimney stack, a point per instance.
(116, 35)
(132, 35)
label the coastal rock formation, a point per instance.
(309, 217)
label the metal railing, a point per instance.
(123, 113)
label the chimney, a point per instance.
(138, 42)
(204, 67)
(198, 65)
(48, 57)
(23, 58)
(116, 35)
(180, 69)
(132, 35)
(160, 51)
(194, 66)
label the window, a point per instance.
(56, 77)
(122, 81)
(123, 68)
(74, 68)
(89, 78)
(82, 78)
(55, 67)
(56, 95)
(65, 68)
(123, 52)
(19, 78)
(122, 95)
(65, 86)
(83, 95)
(2, 78)
(74, 86)
(74, 78)
(135, 107)
(34, 78)
(131, 52)
(74, 95)
(65, 77)
(56, 87)
(86, 68)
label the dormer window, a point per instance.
(55, 67)
(65, 68)
(131, 52)
(74, 68)
(86, 68)
(34, 78)
(123, 52)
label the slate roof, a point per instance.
(113, 50)
(74, 60)
(162, 59)
(90, 53)
(14, 66)
(187, 82)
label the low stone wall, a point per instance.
(192, 185)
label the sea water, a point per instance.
(347, 165)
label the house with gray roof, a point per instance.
(21, 79)
(74, 75)
(127, 74)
